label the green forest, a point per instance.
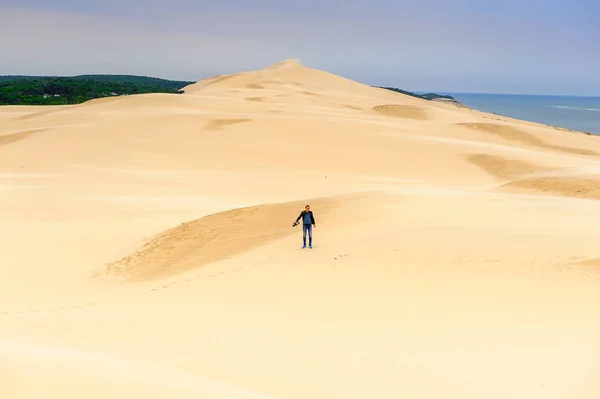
(50, 90)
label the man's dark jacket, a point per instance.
(306, 217)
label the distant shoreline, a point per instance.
(568, 113)
(518, 95)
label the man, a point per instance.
(308, 222)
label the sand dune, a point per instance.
(147, 247)
(287, 74)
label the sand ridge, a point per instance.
(215, 237)
(13, 137)
(503, 168)
(587, 187)
(147, 247)
(510, 133)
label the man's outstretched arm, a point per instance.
(298, 218)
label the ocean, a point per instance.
(576, 113)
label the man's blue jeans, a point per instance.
(307, 228)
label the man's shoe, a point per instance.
(310, 246)
(304, 246)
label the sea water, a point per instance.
(575, 113)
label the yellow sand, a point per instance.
(147, 247)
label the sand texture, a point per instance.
(147, 247)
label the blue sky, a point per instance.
(510, 46)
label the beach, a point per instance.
(147, 247)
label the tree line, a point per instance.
(427, 96)
(49, 90)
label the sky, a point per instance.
(481, 46)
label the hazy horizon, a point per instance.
(413, 91)
(482, 47)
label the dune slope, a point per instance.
(147, 247)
